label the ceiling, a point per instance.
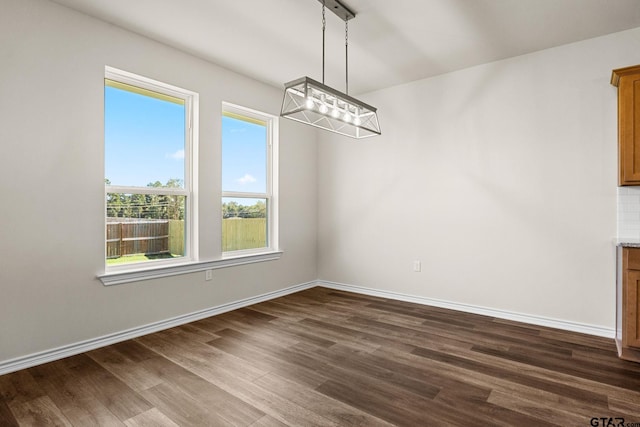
(390, 42)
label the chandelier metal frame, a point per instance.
(311, 102)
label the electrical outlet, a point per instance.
(417, 266)
(208, 275)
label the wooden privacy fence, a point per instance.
(176, 236)
(244, 233)
(131, 237)
(145, 237)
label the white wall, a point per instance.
(52, 182)
(500, 178)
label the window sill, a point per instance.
(120, 277)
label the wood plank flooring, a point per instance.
(330, 358)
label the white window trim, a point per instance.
(127, 273)
(191, 102)
(271, 194)
(156, 272)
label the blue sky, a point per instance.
(244, 161)
(144, 139)
(144, 142)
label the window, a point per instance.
(151, 146)
(248, 181)
(148, 171)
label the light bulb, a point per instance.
(324, 108)
(335, 113)
(356, 119)
(309, 103)
(347, 117)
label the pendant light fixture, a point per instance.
(311, 102)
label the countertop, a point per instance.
(627, 242)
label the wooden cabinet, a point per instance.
(628, 304)
(627, 80)
(631, 301)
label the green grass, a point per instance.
(138, 258)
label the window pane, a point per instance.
(141, 227)
(244, 155)
(144, 137)
(244, 224)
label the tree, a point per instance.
(230, 209)
(258, 210)
(148, 206)
(174, 204)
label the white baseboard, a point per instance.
(39, 358)
(501, 314)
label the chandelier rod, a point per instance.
(344, 13)
(324, 25)
(346, 56)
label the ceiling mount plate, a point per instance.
(339, 9)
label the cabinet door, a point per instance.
(629, 129)
(631, 313)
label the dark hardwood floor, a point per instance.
(325, 357)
